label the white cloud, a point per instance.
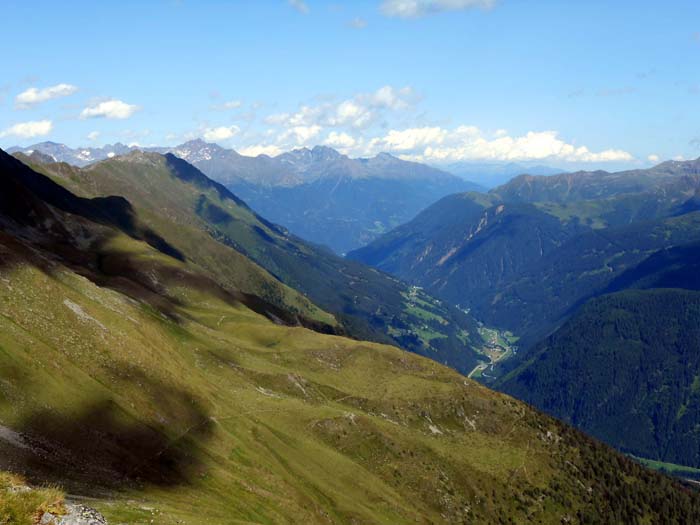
(653, 158)
(33, 96)
(26, 130)
(302, 135)
(436, 144)
(112, 109)
(410, 139)
(342, 141)
(300, 6)
(357, 112)
(351, 113)
(418, 8)
(254, 151)
(220, 133)
(93, 135)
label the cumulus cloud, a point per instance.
(34, 96)
(300, 6)
(26, 130)
(653, 158)
(341, 141)
(436, 144)
(220, 133)
(112, 109)
(93, 135)
(357, 112)
(411, 139)
(419, 8)
(300, 135)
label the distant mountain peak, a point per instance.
(198, 143)
(198, 150)
(386, 155)
(325, 153)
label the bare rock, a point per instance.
(75, 515)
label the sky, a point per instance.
(581, 83)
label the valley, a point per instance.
(137, 379)
(321, 262)
(498, 347)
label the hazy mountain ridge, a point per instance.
(75, 156)
(324, 196)
(492, 174)
(589, 185)
(319, 194)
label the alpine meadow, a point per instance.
(332, 262)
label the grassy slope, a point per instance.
(173, 219)
(180, 203)
(140, 383)
(23, 505)
(214, 415)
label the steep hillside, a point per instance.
(318, 194)
(229, 268)
(521, 262)
(128, 375)
(581, 268)
(676, 267)
(202, 218)
(626, 369)
(465, 248)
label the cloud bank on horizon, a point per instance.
(350, 126)
(435, 81)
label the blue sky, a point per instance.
(587, 83)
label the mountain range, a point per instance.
(150, 364)
(596, 275)
(318, 194)
(526, 254)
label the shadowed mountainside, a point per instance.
(209, 412)
(203, 219)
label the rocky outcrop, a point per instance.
(75, 515)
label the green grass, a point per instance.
(670, 468)
(167, 401)
(590, 212)
(243, 252)
(22, 505)
(422, 313)
(300, 425)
